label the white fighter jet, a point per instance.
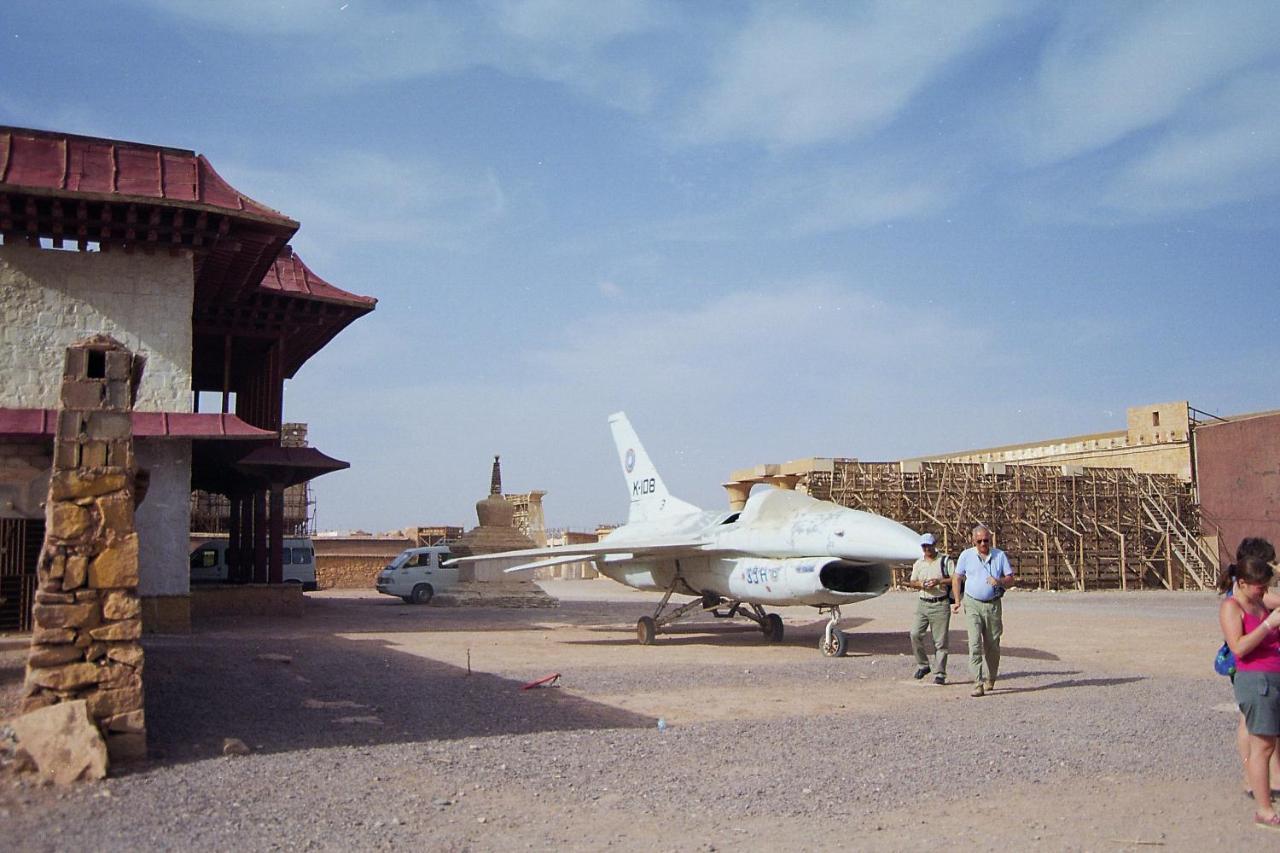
(783, 548)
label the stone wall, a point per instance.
(87, 614)
(232, 600)
(349, 571)
(353, 562)
(50, 298)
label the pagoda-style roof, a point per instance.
(291, 304)
(135, 197)
(132, 196)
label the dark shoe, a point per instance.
(921, 672)
(940, 678)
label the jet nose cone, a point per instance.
(875, 538)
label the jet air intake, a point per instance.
(849, 577)
(815, 581)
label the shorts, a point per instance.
(1258, 695)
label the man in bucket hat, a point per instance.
(931, 575)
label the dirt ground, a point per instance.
(392, 726)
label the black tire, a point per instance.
(422, 593)
(646, 630)
(408, 599)
(772, 627)
(838, 645)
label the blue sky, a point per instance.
(765, 230)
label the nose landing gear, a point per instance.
(834, 643)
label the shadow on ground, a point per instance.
(335, 692)
(743, 633)
(1070, 682)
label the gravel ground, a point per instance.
(1108, 731)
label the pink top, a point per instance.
(1266, 657)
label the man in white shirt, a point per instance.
(982, 574)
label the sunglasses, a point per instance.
(981, 541)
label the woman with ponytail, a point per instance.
(1250, 628)
(1253, 546)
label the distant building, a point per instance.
(1157, 440)
(528, 518)
(570, 571)
(1163, 502)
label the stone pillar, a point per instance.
(87, 614)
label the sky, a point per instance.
(766, 230)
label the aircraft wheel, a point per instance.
(836, 647)
(772, 627)
(422, 593)
(646, 630)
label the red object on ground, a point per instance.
(545, 681)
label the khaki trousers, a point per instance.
(933, 616)
(983, 619)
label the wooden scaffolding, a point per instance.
(1063, 527)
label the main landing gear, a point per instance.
(770, 623)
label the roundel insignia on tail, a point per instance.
(631, 460)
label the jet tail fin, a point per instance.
(649, 496)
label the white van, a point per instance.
(416, 574)
(209, 562)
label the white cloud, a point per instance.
(845, 198)
(1222, 149)
(795, 78)
(1110, 71)
(576, 25)
(782, 337)
(563, 41)
(367, 197)
(1228, 152)
(262, 17)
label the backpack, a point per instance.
(942, 564)
(1224, 662)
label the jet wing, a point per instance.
(542, 564)
(590, 551)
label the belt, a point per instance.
(934, 600)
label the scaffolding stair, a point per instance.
(1196, 560)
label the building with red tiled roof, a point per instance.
(150, 245)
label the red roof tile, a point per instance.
(43, 422)
(291, 276)
(38, 159)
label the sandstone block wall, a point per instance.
(212, 602)
(87, 615)
(349, 571)
(51, 298)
